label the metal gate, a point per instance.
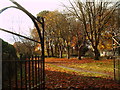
(26, 72)
(23, 73)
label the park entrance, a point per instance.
(26, 72)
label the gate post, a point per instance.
(42, 45)
(0, 64)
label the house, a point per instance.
(116, 40)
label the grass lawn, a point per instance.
(63, 73)
(105, 66)
(102, 66)
(77, 71)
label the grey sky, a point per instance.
(15, 20)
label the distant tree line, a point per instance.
(81, 27)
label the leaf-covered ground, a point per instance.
(62, 77)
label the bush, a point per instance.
(8, 61)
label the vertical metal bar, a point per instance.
(1, 64)
(25, 73)
(2, 74)
(21, 84)
(41, 74)
(32, 72)
(16, 75)
(118, 70)
(14, 80)
(39, 71)
(29, 74)
(36, 71)
(43, 56)
(9, 62)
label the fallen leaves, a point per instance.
(57, 77)
(63, 80)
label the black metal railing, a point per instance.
(24, 73)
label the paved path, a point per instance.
(82, 70)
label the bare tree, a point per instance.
(94, 16)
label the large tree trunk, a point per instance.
(48, 50)
(56, 50)
(80, 49)
(68, 52)
(97, 54)
(79, 54)
(52, 51)
(60, 52)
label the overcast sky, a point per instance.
(17, 21)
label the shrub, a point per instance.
(8, 61)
